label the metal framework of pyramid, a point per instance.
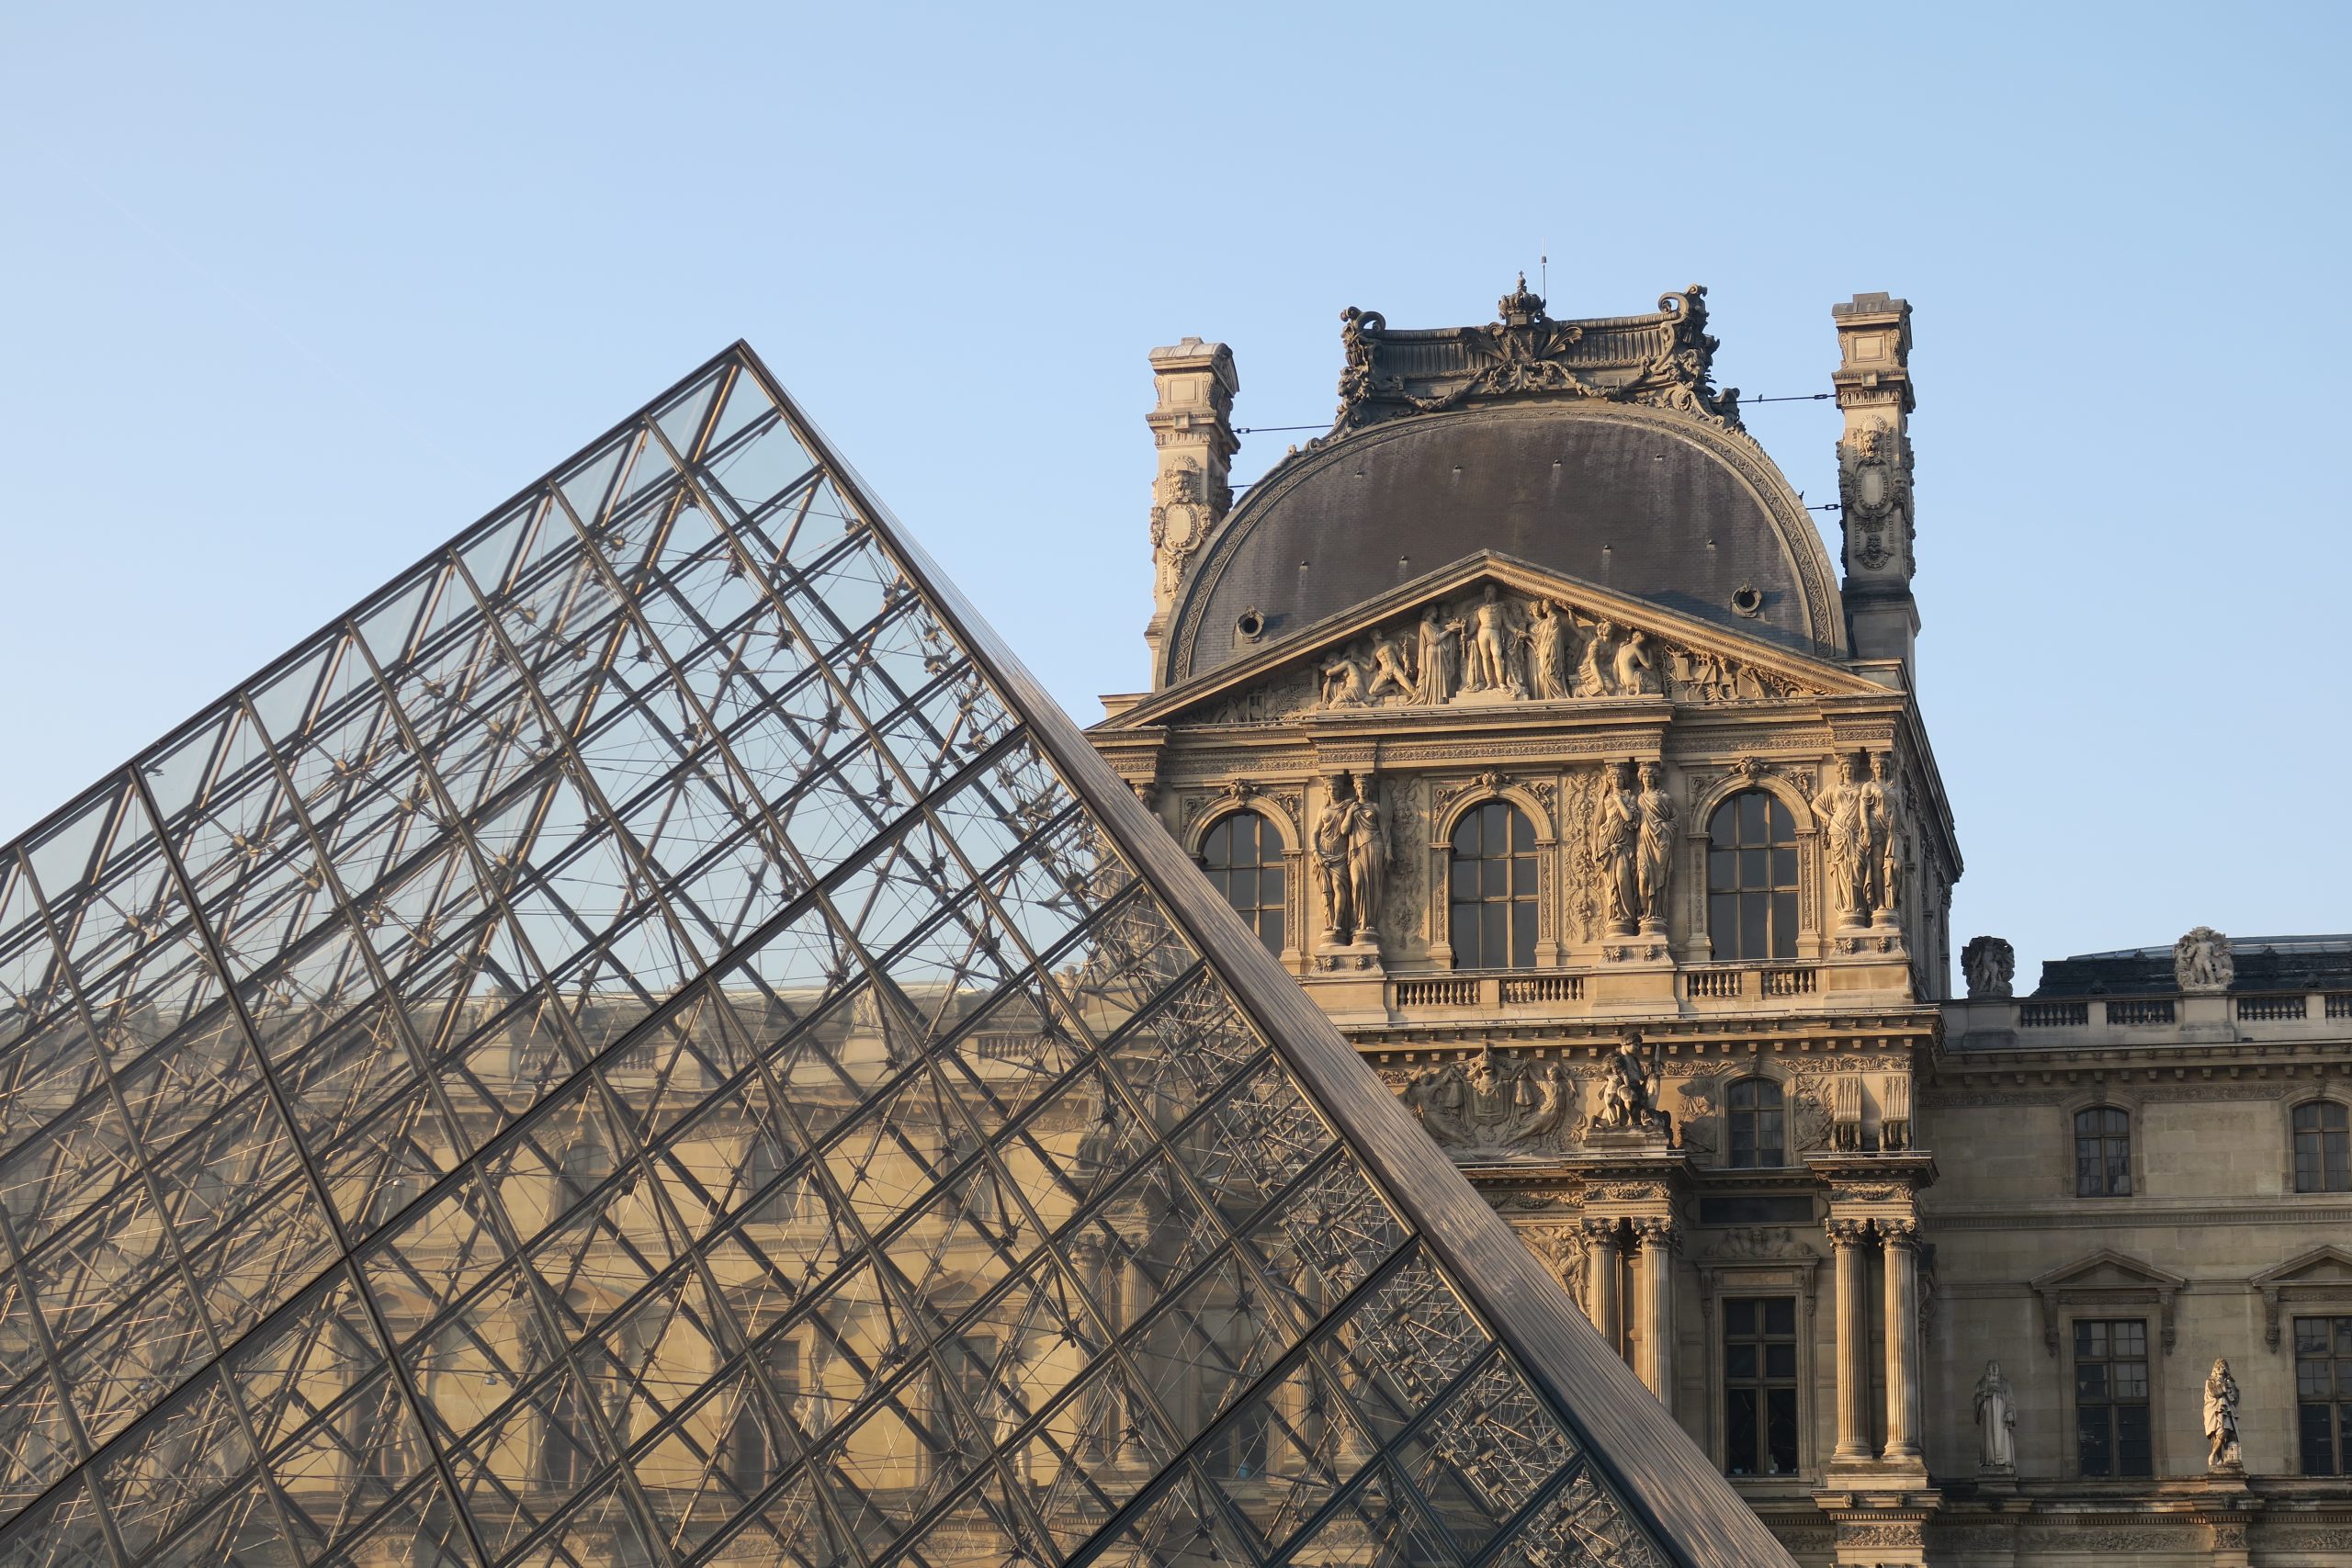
(651, 1041)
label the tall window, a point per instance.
(1752, 878)
(1754, 1111)
(2102, 1152)
(1244, 860)
(2323, 1393)
(2111, 1396)
(2323, 1147)
(1494, 889)
(1760, 1385)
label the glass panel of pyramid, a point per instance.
(648, 1042)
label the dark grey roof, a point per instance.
(1649, 504)
(2264, 963)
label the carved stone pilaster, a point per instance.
(1874, 386)
(1191, 426)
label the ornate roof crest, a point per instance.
(1663, 360)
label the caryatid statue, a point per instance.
(1328, 841)
(1996, 1421)
(1883, 808)
(1368, 861)
(1615, 843)
(2222, 1419)
(1352, 862)
(1654, 858)
(1846, 843)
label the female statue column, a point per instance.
(1368, 862)
(1655, 860)
(1996, 1418)
(1330, 847)
(1845, 844)
(1614, 845)
(1885, 799)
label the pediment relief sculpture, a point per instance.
(1494, 647)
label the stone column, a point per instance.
(1657, 1308)
(1600, 1281)
(1902, 1240)
(1846, 1237)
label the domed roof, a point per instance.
(1650, 502)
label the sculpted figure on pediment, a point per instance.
(1347, 681)
(1392, 668)
(1615, 843)
(1637, 667)
(1547, 634)
(1440, 660)
(1493, 642)
(1592, 678)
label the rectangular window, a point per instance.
(2324, 1394)
(1760, 1385)
(2111, 1397)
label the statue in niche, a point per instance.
(1492, 667)
(1996, 1422)
(2202, 962)
(1591, 678)
(1392, 668)
(1885, 795)
(1615, 843)
(1990, 964)
(1346, 681)
(1636, 667)
(1367, 861)
(2222, 1419)
(1629, 1082)
(1654, 859)
(1441, 657)
(1845, 844)
(1546, 670)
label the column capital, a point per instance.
(1601, 1228)
(1659, 1232)
(1845, 1233)
(1895, 1231)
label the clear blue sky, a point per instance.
(293, 292)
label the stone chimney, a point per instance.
(1874, 385)
(1192, 425)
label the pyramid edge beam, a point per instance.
(1690, 1509)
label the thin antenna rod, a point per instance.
(1543, 275)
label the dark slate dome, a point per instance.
(1654, 504)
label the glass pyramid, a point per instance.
(650, 1041)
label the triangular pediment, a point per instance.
(1493, 632)
(2108, 1269)
(2320, 1265)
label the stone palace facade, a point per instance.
(1526, 720)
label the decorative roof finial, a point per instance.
(1519, 308)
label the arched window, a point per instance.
(1753, 1116)
(2102, 1152)
(1494, 889)
(1752, 878)
(2323, 1147)
(1244, 858)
